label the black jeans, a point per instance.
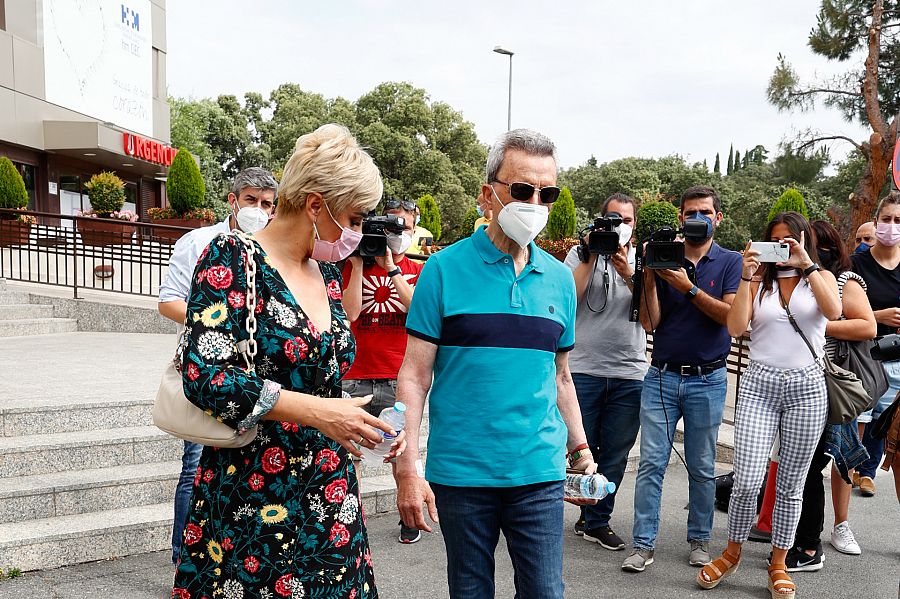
(812, 516)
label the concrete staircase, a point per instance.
(20, 317)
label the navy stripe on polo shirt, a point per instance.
(492, 412)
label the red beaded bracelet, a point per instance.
(578, 448)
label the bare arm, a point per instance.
(352, 296)
(175, 310)
(738, 317)
(403, 288)
(567, 401)
(650, 314)
(860, 321)
(824, 287)
(715, 308)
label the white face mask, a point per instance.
(625, 232)
(251, 219)
(521, 222)
(398, 244)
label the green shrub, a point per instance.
(431, 215)
(654, 215)
(561, 223)
(106, 192)
(185, 187)
(468, 225)
(12, 187)
(790, 200)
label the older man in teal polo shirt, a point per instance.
(491, 322)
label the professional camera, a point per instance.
(886, 349)
(374, 235)
(663, 252)
(603, 238)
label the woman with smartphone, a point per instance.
(782, 390)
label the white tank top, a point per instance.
(773, 340)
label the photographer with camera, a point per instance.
(377, 292)
(609, 361)
(686, 310)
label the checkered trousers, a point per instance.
(794, 402)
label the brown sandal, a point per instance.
(720, 568)
(780, 584)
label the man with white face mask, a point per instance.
(608, 363)
(376, 298)
(491, 324)
(252, 201)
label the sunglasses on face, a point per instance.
(394, 204)
(523, 192)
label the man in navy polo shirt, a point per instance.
(686, 310)
(492, 320)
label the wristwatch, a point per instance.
(394, 273)
(811, 269)
(692, 292)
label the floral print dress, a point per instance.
(280, 517)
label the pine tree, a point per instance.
(730, 167)
(185, 187)
(561, 223)
(737, 161)
(717, 168)
(746, 159)
(790, 200)
(431, 215)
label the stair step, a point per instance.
(24, 418)
(60, 452)
(77, 492)
(37, 326)
(26, 311)
(63, 540)
(14, 297)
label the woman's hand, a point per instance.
(346, 422)
(798, 257)
(397, 447)
(751, 262)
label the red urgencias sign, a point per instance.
(149, 150)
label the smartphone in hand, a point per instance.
(772, 251)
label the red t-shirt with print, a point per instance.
(380, 330)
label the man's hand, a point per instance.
(585, 464)
(678, 279)
(620, 263)
(386, 262)
(412, 492)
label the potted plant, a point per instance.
(560, 227)
(14, 228)
(558, 248)
(107, 194)
(186, 191)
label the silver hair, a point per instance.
(254, 178)
(526, 140)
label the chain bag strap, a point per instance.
(174, 413)
(847, 398)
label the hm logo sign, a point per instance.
(130, 18)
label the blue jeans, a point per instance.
(700, 400)
(189, 462)
(611, 414)
(875, 447)
(531, 519)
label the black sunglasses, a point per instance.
(522, 192)
(394, 204)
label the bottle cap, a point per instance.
(400, 407)
(610, 487)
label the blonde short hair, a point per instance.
(331, 162)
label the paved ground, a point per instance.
(418, 571)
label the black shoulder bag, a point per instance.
(847, 398)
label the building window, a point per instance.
(28, 175)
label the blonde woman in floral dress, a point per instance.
(281, 517)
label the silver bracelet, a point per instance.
(269, 395)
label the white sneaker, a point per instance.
(843, 540)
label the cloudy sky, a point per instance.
(602, 78)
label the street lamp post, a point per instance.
(502, 50)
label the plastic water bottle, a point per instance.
(588, 486)
(394, 416)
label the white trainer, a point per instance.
(843, 540)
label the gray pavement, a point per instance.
(418, 571)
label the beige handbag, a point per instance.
(175, 414)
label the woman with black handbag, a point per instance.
(839, 441)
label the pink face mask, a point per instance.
(887, 234)
(335, 251)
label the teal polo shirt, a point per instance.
(493, 414)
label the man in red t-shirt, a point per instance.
(376, 298)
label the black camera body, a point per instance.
(374, 235)
(664, 253)
(603, 238)
(886, 349)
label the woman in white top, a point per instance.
(782, 390)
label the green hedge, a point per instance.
(790, 200)
(12, 187)
(184, 187)
(561, 223)
(431, 215)
(107, 193)
(654, 215)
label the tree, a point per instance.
(867, 93)
(730, 167)
(561, 223)
(717, 167)
(800, 167)
(12, 187)
(468, 223)
(106, 192)
(737, 161)
(653, 215)
(431, 216)
(184, 187)
(790, 200)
